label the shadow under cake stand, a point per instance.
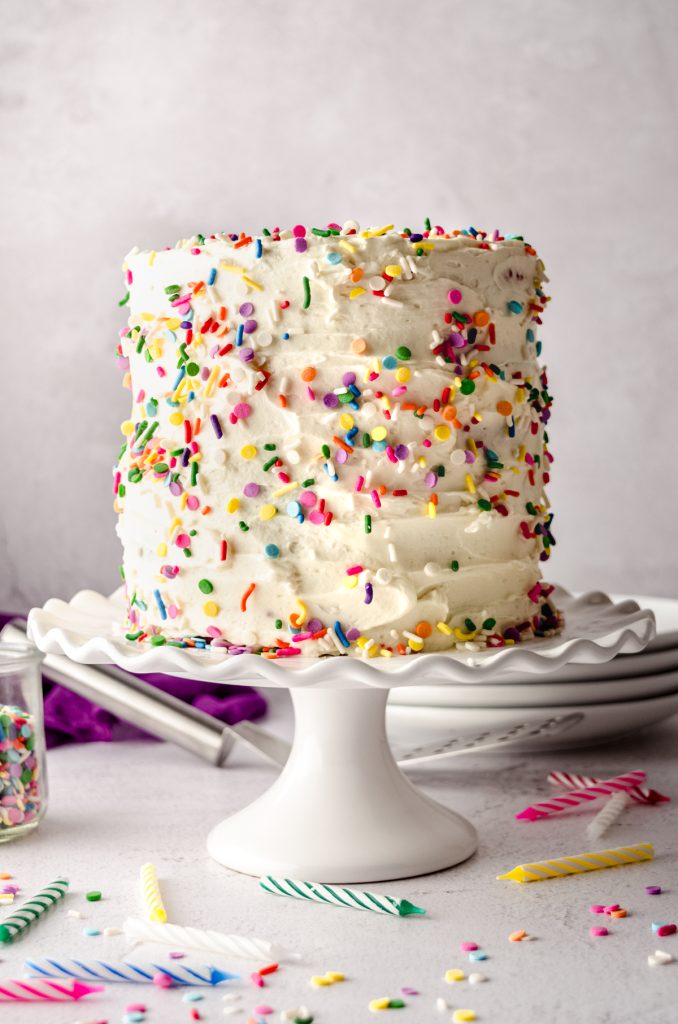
(341, 809)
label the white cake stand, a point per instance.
(341, 809)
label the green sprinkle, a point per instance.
(346, 397)
(321, 232)
(368, 524)
(243, 526)
(367, 441)
(467, 387)
(266, 232)
(403, 352)
(278, 623)
(270, 447)
(205, 586)
(194, 473)
(271, 462)
(307, 293)
(419, 251)
(396, 1004)
(326, 450)
(485, 505)
(309, 482)
(122, 490)
(172, 288)
(135, 475)
(124, 300)
(470, 625)
(121, 570)
(427, 223)
(156, 641)
(133, 636)
(192, 369)
(454, 565)
(489, 623)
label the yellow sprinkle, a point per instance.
(248, 451)
(472, 446)
(350, 582)
(377, 231)
(403, 374)
(346, 246)
(415, 645)
(462, 636)
(471, 487)
(335, 976)
(151, 257)
(379, 1004)
(210, 608)
(303, 612)
(147, 316)
(233, 505)
(211, 381)
(172, 323)
(345, 421)
(161, 550)
(176, 419)
(386, 402)
(386, 654)
(252, 284)
(285, 489)
(444, 628)
(184, 499)
(393, 270)
(431, 510)
(460, 1016)
(232, 268)
(424, 245)
(174, 525)
(196, 457)
(422, 461)
(378, 433)
(355, 292)
(127, 427)
(522, 451)
(267, 512)
(361, 641)
(441, 432)
(454, 974)
(318, 980)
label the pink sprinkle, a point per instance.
(256, 978)
(136, 1008)
(193, 502)
(400, 390)
(317, 517)
(598, 931)
(666, 929)
(172, 611)
(596, 908)
(263, 1010)
(359, 483)
(213, 631)
(308, 499)
(468, 947)
(160, 371)
(183, 540)
(355, 570)
(177, 956)
(454, 296)
(195, 252)
(407, 991)
(242, 410)
(299, 231)
(376, 499)
(311, 393)
(391, 454)
(612, 906)
(162, 980)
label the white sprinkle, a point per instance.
(413, 265)
(392, 302)
(475, 979)
(432, 569)
(384, 576)
(112, 931)
(392, 553)
(232, 997)
(407, 273)
(659, 958)
(436, 339)
(73, 913)
(441, 1005)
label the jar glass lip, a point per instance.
(15, 656)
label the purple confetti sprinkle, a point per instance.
(331, 400)
(216, 425)
(246, 309)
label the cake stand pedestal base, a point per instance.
(341, 810)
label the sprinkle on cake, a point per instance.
(337, 442)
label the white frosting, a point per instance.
(434, 557)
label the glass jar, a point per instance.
(23, 782)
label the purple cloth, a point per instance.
(70, 718)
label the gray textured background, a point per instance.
(141, 122)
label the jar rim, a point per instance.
(18, 655)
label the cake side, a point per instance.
(336, 442)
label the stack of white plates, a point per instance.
(614, 698)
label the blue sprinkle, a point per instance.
(192, 997)
(658, 924)
(334, 257)
(258, 248)
(341, 636)
(389, 362)
(272, 550)
(477, 954)
(285, 336)
(293, 508)
(91, 931)
(239, 335)
(515, 307)
(348, 440)
(213, 276)
(352, 388)
(529, 334)
(133, 1017)
(379, 446)
(180, 376)
(160, 603)
(538, 348)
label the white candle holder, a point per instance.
(341, 809)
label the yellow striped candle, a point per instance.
(579, 862)
(153, 905)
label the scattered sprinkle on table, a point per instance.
(91, 932)
(653, 890)
(454, 974)
(598, 931)
(94, 896)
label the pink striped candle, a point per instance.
(571, 780)
(580, 796)
(44, 991)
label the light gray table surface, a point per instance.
(115, 806)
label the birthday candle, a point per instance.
(44, 991)
(355, 899)
(155, 908)
(197, 938)
(30, 911)
(101, 970)
(572, 780)
(579, 796)
(575, 864)
(607, 816)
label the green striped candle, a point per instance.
(14, 926)
(338, 896)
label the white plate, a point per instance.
(413, 726)
(88, 629)
(666, 614)
(540, 691)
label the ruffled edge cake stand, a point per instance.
(341, 809)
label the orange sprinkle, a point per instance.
(206, 511)
(504, 408)
(481, 318)
(449, 412)
(408, 406)
(245, 596)
(347, 448)
(356, 274)
(196, 428)
(282, 401)
(308, 373)
(400, 648)
(223, 312)
(359, 345)
(423, 629)
(242, 241)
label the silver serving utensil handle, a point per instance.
(491, 739)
